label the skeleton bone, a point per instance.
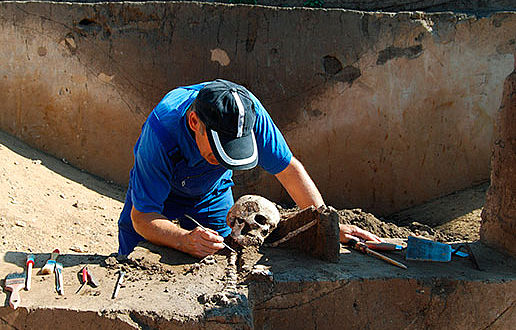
(229, 294)
(262, 272)
(252, 219)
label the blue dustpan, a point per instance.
(427, 250)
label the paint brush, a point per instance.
(14, 282)
(29, 264)
(51, 263)
(58, 269)
(201, 226)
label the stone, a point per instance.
(498, 227)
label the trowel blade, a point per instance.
(427, 250)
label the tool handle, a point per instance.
(363, 248)
(84, 274)
(383, 246)
(386, 259)
(357, 245)
(59, 278)
(14, 299)
(30, 259)
(118, 283)
(28, 279)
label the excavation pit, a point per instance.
(386, 111)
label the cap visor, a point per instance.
(234, 153)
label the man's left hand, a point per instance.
(348, 232)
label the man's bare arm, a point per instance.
(299, 185)
(157, 229)
(303, 191)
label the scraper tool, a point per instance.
(426, 250)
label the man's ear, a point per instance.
(194, 121)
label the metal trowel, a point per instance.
(426, 250)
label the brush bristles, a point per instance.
(49, 267)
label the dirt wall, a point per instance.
(384, 110)
(499, 213)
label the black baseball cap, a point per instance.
(228, 112)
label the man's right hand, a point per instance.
(157, 229)
(203, 242)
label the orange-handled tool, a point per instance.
(383, 246)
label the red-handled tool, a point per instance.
(28, 277)
(84, 278)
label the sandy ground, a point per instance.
(47, 204)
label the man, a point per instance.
(184, 159)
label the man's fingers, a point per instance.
(214, 247)
(211, 231)
(212, 236)
(348, 232)
(204, 242)
(367, 235)
(211, 241)
(347, 237)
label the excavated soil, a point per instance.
(48, 204)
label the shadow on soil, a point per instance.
(66, 170)
(68, 260)
(444, 209)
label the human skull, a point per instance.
(252, 219)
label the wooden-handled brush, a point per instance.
(51, 263)
(14, 282)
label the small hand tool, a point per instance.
(84, 278)
(51, 263)
(383, 246)
(201, 226)
(58, 270)
(363, 248)
(427, 250)
(92, 280)
(28, 278)
(14, 282)
(121, 274)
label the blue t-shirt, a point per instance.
(171, 177)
